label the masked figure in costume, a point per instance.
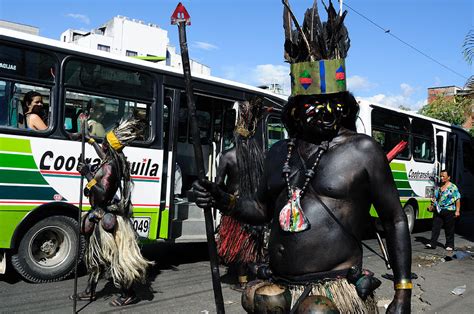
(318, 187)
(112, 245)
(239, 171)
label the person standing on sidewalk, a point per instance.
(446, 208)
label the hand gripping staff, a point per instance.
(79, 220)
(181, 18)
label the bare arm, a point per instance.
(386, 201)
(458, 208)
(36, 123)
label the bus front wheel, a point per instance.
(411, 216)
(47, 252)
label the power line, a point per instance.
(387, 31)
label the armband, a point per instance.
(232, 202)
(91, 141)
(91, 184)
(404, 284)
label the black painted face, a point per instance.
(319, 115)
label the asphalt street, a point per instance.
(181, 282)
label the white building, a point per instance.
(134, 38)
(19, 27)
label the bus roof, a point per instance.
(59, 45)
(409, 113)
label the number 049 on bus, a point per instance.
(141, 226)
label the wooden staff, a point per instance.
(182, 18)
(79, 215)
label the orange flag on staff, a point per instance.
(396, 150)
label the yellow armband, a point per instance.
(232, 202)
(91, 184)
(404, 284)
(91, 141)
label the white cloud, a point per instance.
(407, 90)
(265, 74)
(81, 17)
(395, 101)
(359, 83)
(204, 46)
(404, 98)
(262, 74)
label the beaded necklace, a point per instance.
(292, 218)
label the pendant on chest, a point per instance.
(292, 218)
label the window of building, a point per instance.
(103, 47)
(130, 53)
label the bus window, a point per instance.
(467, 154)
(275, 131)
(27, 64)
(12, 111)
(423, 140)
(85, 75)
(389, 130)
(229, 125)
(104, 113)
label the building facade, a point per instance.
(134, 38)
(19, 27)
(449, 92)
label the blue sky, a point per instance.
(242, 40)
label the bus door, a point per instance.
(441, 148)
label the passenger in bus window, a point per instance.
(34, 111)
(97, 113)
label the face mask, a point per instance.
(324, 116)
(39, 110)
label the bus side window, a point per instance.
(423, 140)
(467, 154)
(275, 131)
(229, 125)
(389, 129)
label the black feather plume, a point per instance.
(315, 40)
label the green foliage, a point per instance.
(452, 110)
(471, 131)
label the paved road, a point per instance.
(180, 282)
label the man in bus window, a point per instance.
(97, 113)
(317, 189)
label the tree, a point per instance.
(453, 110)
(468, 52)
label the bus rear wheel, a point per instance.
(47, 252)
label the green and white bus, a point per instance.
(433, 145)
(39, 184)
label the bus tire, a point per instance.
(411, 216)
(48, 250)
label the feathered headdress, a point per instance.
(316, 51)
(249, 114)
(125, 133)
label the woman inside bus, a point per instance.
(34, 111)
